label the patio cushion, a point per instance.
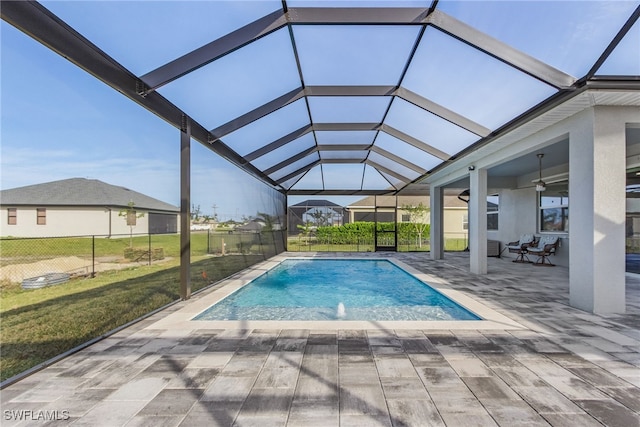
(525, 239)
(544, 240)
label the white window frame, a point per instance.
(563, 206)
(496, 213)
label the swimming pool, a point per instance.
(332, 289)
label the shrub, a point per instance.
(137, 254)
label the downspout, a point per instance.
(109, 210)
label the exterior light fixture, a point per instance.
(540, 185)
(472, 167)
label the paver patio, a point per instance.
(563, 367)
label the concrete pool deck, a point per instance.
(550, 365)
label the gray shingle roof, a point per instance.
(80, 192)
(315, 203)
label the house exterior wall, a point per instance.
(454, 220)
(70, 221)
(518, 215)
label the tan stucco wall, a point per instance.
(453, 222)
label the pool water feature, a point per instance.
(329, 289)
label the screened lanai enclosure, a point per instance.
(316, 99)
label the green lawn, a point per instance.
(42, 323)
(17, 250)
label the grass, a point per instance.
(16, 250)
(42, 323)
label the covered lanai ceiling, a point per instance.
(317, 97)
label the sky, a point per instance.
(58, 122)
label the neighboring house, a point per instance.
(252, 226)
(454, 217)
(78, 207)
(311, 210)
(203, 224)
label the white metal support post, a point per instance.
(597, 180)
(478, 221)
(436, 231)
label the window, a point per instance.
(406, 218)
(492, 212)
(42, 216)
(12, 216)
(554, 208)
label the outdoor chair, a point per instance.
(547, 245)
(521, 246)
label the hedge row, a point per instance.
(355, 232)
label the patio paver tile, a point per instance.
(489, 388)
(349, 420)
(571, 420)
(109, 413)
(404, 388)
(362, 399)
(212, 413)
(510, 413)
(610, 413)
(171, 402)
(413, 412)
(150, 421)
(564, 367)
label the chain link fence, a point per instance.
(29, 260)
(265, 243)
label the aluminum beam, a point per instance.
(415, 142)
(299, 171)
(380, 151)
(257, 113)
(350, 90)
(346, 91)
(278, 143)
(345, 126)
(214, 50)
(614, 43)
(295, 95)
(388, 171)
(501, 51)
(341, 192)
(273, 22)
(442, 112)
(398, 159)
(343, 147)
(185, 209)
(290, 160)
(342, 161)
(358, 15)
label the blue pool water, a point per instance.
(336, 290)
